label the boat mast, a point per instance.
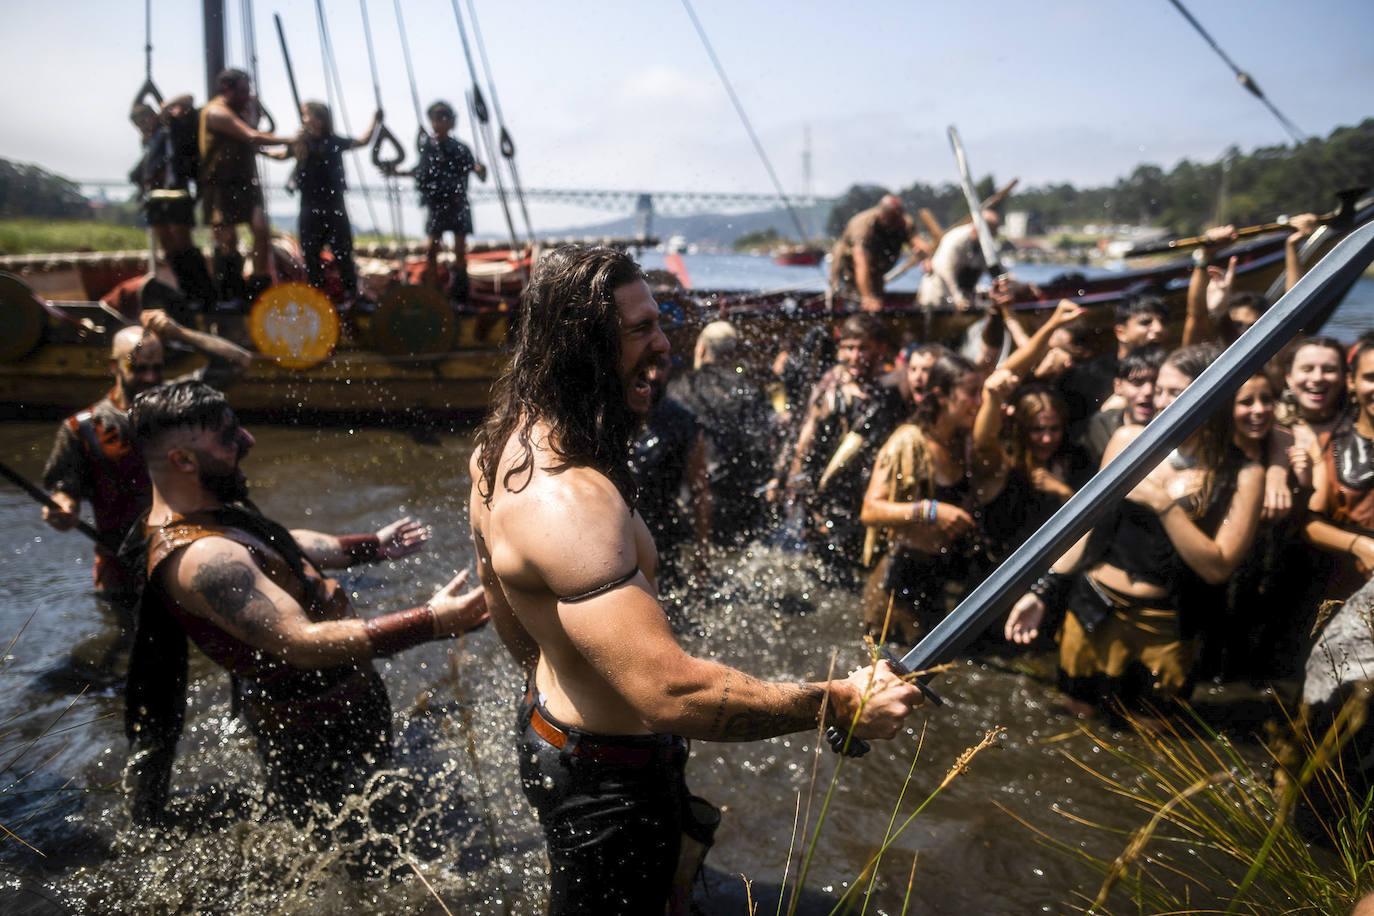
(807, 200)
(213, 16)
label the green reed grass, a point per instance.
(35, 236)
(1219, 835)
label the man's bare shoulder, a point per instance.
(567, 531)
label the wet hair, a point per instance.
(229, 78)
(1363, 344)
(1213, 439)
(1028, 405)
(1142, 359)
(1227, 329)
(1326, 343)
(300, 147)
(141, 110)
(178, 405)
(1140, 305)
(565, 371)
(864, 326)
(947, 373)
(440, 109)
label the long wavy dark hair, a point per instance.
(565, 371)
(1213, 441)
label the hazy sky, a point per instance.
(623, 95)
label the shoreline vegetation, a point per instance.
(42, 212)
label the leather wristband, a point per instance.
(361, 548)
(1052, 588)
(400, 630)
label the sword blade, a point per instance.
(975, 207)
(1324, 284)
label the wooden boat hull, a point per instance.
(69, 368)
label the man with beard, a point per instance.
(570, 575)
(93, 457)
(251, 596)
(1135, 387)
(869, 247)
(229, 187)
(848, 418)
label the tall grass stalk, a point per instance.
(1220, 835)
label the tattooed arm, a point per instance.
(327, 551)
(217, 579)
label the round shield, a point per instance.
(21, 318)
(413, 321)
(294, 324)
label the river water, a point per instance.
(763, 610)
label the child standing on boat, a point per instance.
(319, 176)
(441, 177)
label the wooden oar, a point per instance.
(84, 527)
(1343, 209)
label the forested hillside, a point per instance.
(1258, 186)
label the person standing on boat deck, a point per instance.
(570, 575)
(868, 248)
(441, 177)
(318, 152)
(229, 188)
(252, 597)
(956, 266)
(163, 176)
(93, 457)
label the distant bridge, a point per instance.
(675, 203)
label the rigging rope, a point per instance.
(507, 144)
(730, 90)
(332, 70)
(391, 182)
(410, 71)
(1245, 79)
(485, 134)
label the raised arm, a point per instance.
(217, 579)
(366, 138)
(1025, 358)
(222, 120)
(1199, 322)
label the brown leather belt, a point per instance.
(655, 749)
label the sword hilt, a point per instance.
(840, 740)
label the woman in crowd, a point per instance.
(929, 481)
(1132, 583)
(1315, 397)
(1263, 620)
(1341, 524)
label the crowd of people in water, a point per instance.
(209, 156)
(907, 469)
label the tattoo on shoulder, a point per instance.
(227, 587)
(794, 708)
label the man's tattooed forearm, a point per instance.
(724, 698)
(794, 708)
(227, 587)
